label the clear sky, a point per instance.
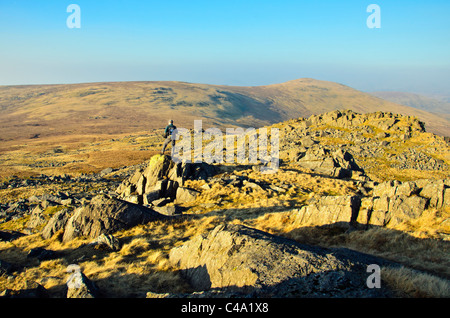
(233, 42)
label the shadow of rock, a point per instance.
(8, 235)
(32, 290)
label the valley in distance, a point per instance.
(90, 208)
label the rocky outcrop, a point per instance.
(394, 202)
(390, 203)
(364, 136)
(338, 164)
(37, 205)
(385, 121)
(235, 257)
(163, 179)
(105, 215)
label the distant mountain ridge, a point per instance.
(427, 103)
(125, 107)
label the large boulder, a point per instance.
(186, 195)
(105, 215)
(339, 211)
(238, 258)
(338, 163)
(56, 223)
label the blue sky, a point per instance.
(232, 42)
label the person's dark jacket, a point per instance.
(169, 130)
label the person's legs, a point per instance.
(168, 140)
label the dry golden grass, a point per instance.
(142, 266)
(76, 154)
(416, 284)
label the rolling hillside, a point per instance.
(124, 107)
(430, 104)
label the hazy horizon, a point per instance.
(238, 43)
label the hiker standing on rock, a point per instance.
(168, 135)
